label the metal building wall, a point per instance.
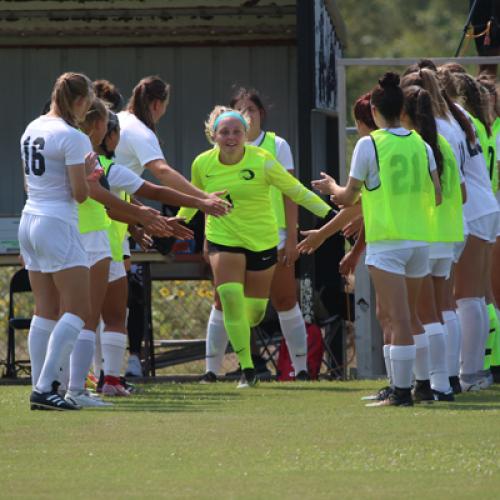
(200, 77)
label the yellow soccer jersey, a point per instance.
(251, 224)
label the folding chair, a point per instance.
(19, 283)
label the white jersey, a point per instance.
(138, 144)
(480, 199)
(283, 151)
(48, 147)
(123, 179)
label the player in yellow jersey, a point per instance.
(392, 166)
(242, 246)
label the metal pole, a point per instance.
(342, 117)
(471, 13)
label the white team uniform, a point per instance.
(404, 257)
(285, 158)
(48, 232)
(138, 146)
(122, 179)
(441, 254)
(481, 209)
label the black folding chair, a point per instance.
(19, 283)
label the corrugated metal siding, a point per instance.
(200, 78)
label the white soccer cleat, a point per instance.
(134, 367)
(469, 386)
(85, 400)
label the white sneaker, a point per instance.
(469, 386)
(134, 367)
(85, 400)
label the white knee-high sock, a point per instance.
(402, 360)
(485, 331)
(114, 345)
(38, 339)
(216, 344)
(470, 317)
(453, 341)
(59, 349)
(438, 357)
(81, 360)
(387, 361)
(422, 359)
(98, 350)
(293, 328)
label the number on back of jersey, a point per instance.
(33, 159)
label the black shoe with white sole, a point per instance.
(208, 378)
(422, 392)
(50, 400)
(303, 376)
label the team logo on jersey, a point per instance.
(247, 174)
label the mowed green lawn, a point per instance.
(310, 440)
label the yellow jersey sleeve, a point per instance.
(290, 186)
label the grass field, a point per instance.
(311, 440)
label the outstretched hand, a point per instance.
(215, 205)
(326, 185)
(312, 241)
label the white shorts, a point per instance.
(282, 236)
(440, 267)
(485, 227)
(49, 245)
(116, 271)
(96, 244)
(440, 250)
(409, 262)
(458, 249)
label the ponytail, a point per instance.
(418, 106)
(470, 94)
(67, 89)
(387, 96)
(97, 111)
(149, 89)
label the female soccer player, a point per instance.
(283, 286)
(472, 276)
(242, 245)
(398, 199)
(54, 155)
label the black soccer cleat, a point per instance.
(381, 395)
(443, 396)
(455, 384)
(303, 376)
(397, 397)
(248, 379)
(50, 400)
(208, 378)
(422, 392)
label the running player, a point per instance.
(283, 286)
(398, 213)
(242, 246)
(54, 156)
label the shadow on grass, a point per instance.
(172, 401)
(300, 388)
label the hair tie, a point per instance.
(230, 114)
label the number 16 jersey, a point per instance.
(49, 146)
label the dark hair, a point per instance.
(388, 97)
(149, 89)
(362, 111)
(470, 92)
(421, 64)
(250, 94)
(418, 106)
(113, 126)
(454, 68)
(109, 93)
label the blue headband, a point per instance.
(230, 114)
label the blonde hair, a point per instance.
(426, 79)
(97, 111)
(215, 113)
(67, 89)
